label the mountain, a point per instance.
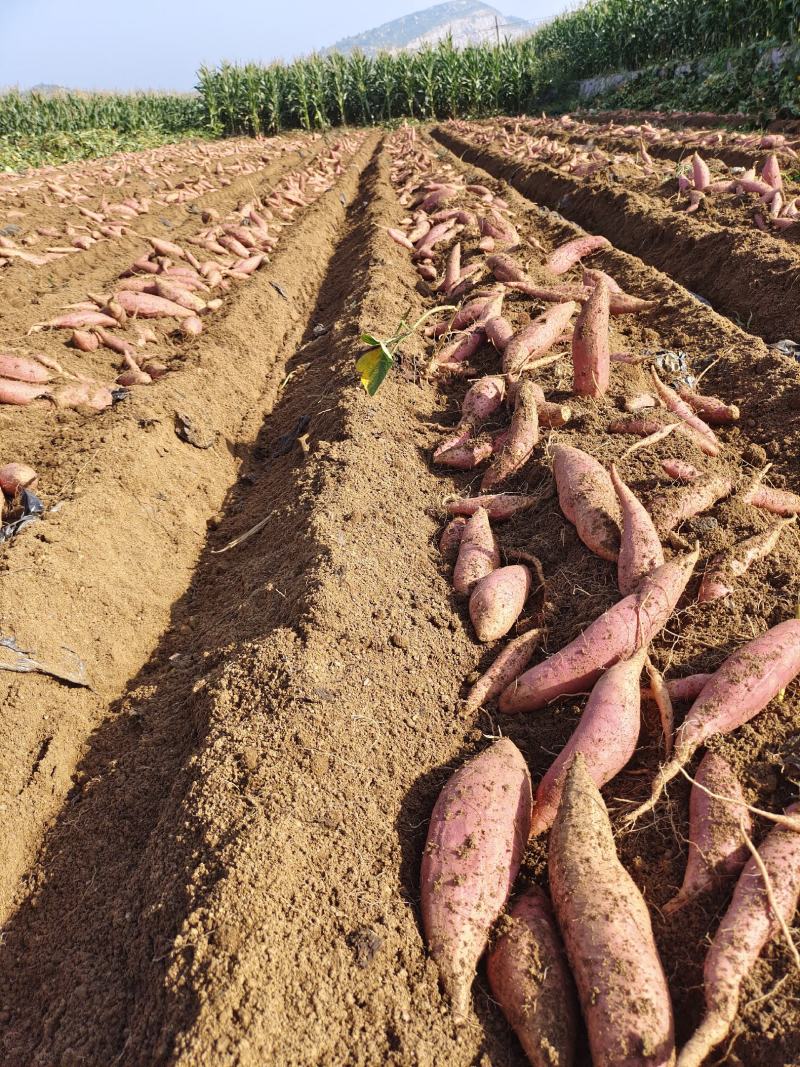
(43, 89)
(467, 21)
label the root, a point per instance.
(665, 775)
(663, 703)
(709, 1033)
(785, 821)
(653, 439)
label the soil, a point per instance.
(755, 278)
(213, 853)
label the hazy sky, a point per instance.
(159, 44)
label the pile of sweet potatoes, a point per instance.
(593, 951)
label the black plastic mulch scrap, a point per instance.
(29, 509)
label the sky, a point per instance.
(159, 44)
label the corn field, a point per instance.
(36, 113)
(334, 90)
(434, 83)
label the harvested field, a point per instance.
(634, 201)
(252, 666)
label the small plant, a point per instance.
(374, 364)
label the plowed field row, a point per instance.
(213, 850)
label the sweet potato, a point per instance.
(75, 321)
(567, 255)
(522, 438)
(590, 349)
(591, 278)
(499, 332)
(725, 567)
(499, 506)
(674, 506)
(191, 326)
(145, 306)
(703, 435)
(22, 369)
(450, 541)
(587, 498)
(700, 173)
(681, 690)
(166, 248)
(464, 456)
(777, 501)
(713, 410)
(534, 340)
(452, 272)
(459, 349)
(625, 304)
(83, 394)
(606, 736)
(640, 549)
(478, 554)
(482, 400)
(550, 415)
(511, 662)
(400, 238)
(497, 600)
(505, 268)
(607, 934)
(717, 851)
(631, 624)
(680, 470)
(741, 688)
(21, 393)
(748, 924)
(771, 172)
(531, 981)
(16, 476)
(476, 839)
(84, 341)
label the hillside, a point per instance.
(468, 21)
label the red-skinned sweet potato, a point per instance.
(534, 340)
(522, 439)
(631, 624)
(741, 688)
(500, 506)
(606, 736)
(567, 255)
(497, 600)
(16, 476)
(590, 348)
(607, 934)
(511, 662)
(587, 498)
(476, 839)
(675, 506)
(747, 926)
(531, 981)
(640, 549)
(717, 851)
(725, 567)
(478, 554)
